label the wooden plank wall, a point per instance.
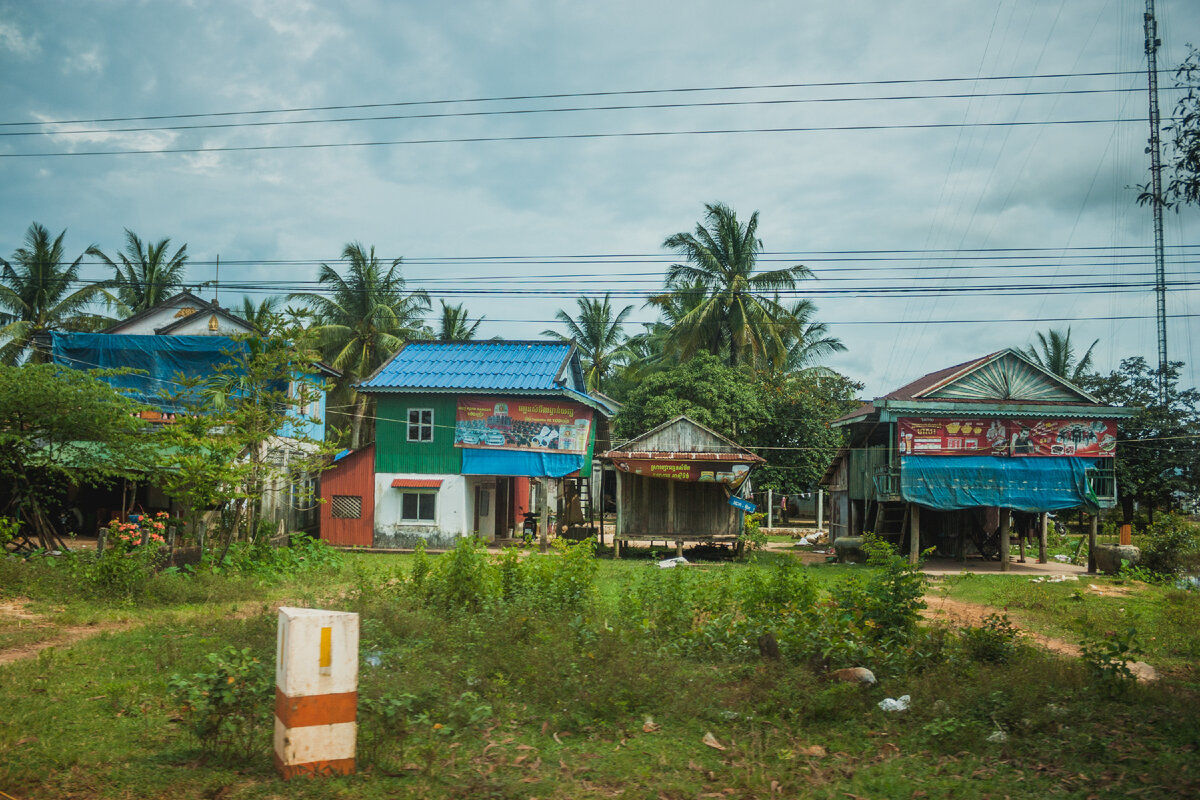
(701, 509)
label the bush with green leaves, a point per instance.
(1107, 660)
(228, 705)
(993, 642)
(1171, 546)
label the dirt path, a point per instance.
(958, 613)
(15, 609)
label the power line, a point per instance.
(570, 136)
(561, 110)
(568, 95)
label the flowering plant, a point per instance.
(129, 534)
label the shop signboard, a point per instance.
(517, 423)
(1007, 437)
(723, 472)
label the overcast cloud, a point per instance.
(1053, 188)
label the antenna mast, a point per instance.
(1156, 199)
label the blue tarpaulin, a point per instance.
(1026, 484)
(162, 359)
(528, 463)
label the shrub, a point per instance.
(1171, 545)
(229, 704)
(1106, 658)
(993, 642)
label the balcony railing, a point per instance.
(887, 484)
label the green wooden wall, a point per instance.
(393, 451)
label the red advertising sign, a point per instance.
(1007, 437)
(518, 423)
(730, 474)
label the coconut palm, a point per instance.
(738, 316)
(37, 295)
(598, 333)
(262, 316)
(808, 342)
(362, 320)
(1057, 355)
(456, 324)
(146, 275)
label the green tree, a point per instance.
(808, 342)
(738, 315)
(57, 426)
(1158, 462)
(598, 332)
(361, 321)
(798, 442)
(147, 273)
(37, 295)
(456, 324)
(264, 315)
(726, 399)
(1057, 355)
(1184, 131)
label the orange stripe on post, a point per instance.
(314, 769)
(317, 709)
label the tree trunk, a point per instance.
(356, 421)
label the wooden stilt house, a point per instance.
(674, 484)
(962, 456)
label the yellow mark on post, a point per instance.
(326, 648)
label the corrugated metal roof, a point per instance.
(416, 483)
(491, 366)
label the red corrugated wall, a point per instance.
(352, 476)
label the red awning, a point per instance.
(416, 483)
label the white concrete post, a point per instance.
(821, 511)
(770, 508)
(316, 692)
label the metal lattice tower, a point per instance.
(1156, 199)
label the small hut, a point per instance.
(676, 483)
(961, 457)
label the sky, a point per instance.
(940, 221)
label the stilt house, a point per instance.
(951, 459)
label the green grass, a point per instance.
(567, 696)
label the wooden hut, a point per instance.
(962, 456)
(675, 483)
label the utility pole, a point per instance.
(1156, 199)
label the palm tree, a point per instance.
(36, 294)
(1057, 355)
(146, 276)
(262, 316)
(362, 320)
(808, 342)
(736, 316)
(597, 332)
(456, 324)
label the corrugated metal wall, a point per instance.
(393, 451)
(353, 476)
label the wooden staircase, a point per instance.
(890, 522)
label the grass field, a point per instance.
(610, 695)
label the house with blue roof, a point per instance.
(465, 430)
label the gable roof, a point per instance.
(485, 366)
(1005, 377)
(683, 436)
(213, 308)
(184, 298)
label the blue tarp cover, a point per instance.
(1026, 484)
(163, 358)
(527, 463)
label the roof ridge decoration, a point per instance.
(145, 312)
(1004, 375)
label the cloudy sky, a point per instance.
(936, 228)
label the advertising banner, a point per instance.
(1007, 437)
(513, 423)
(730, 474)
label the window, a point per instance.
(420, 424)
(418, 506)
(346, 507)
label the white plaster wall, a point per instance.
(451, 522)
(197, 325)
(159, 318)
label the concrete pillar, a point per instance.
(1005, 521)
(1043, 536)
(914, 534)
(821, 511)
(770, 508)
(1093, 529)
(316, 692)
(544, 514)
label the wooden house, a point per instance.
(470, 436)
(675, 482)
(960, 456)
(348, 499)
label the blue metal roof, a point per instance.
(531, 366)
